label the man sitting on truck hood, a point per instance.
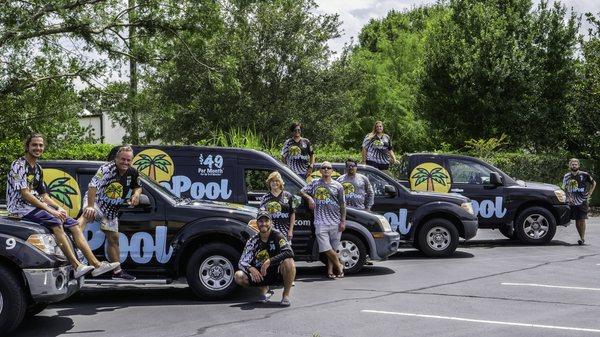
(267, 259)
(27, 197)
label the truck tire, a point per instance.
(438, 237)
(13, 303)
(210, 271)
(504, 231)
(352, 254)
(35, 308)
(535, 225)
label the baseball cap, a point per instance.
(262, 213)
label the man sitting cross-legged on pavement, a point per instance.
(268, 259)
(27, 197)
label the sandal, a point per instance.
(340, 275)
(331, 276)
(285, 302)
(266, 297)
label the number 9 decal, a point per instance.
(11, 243)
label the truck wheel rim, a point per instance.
(536, 226)
(216, 272)
(438, 238)
(348, 253)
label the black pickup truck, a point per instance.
(193, 220)
(528, 211)
(431, 222)
(33, 272)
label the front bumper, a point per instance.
(564, 214)
(52, 284)
(386, 245)
(470, 227)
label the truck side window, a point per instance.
(256, 186)
(468, 172)
(378, 183)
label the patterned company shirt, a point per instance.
(22, 175)
(113, 190)
(329, 200)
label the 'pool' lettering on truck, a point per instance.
(398, 221)
(141, 247)
(489, 208)
(198, 190)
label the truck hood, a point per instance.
(20, 229)
(536, 186)
(223, 208)
(434, 196)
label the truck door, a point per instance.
(472, 179)
(255, 188)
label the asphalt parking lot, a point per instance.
(491, 287)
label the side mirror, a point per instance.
(390, 190)
(496, 179)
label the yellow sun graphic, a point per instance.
(114, 190)
(322, 193)
(273, 207)
(262, 256)
(294, 150)
(155, 163)
(63, 188)
(348, 188)
(430, 177)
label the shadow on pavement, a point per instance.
(45, 326)
(509, 243)
(417, 255)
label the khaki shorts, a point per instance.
(106, 224)
(328, 239)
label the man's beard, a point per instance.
(573, 169)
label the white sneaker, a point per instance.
(82, 270)
(105, 267)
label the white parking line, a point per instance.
(482, 321)
(547, 286)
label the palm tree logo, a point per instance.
(61, 191)
(273, 207)
(322, 193)
(63, 188)
(433, 175)
(348, 188)
(114, 190)
(154, 163)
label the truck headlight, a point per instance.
(384, 223)
(560, 195)
(46, 243)
(467, 206)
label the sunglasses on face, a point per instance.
(326, 168)
(350, 165)
(297, 130)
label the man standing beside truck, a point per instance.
(358, 190)
(579, 186)
(108, 190)
(326, 197)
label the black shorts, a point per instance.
(378, 166)
(273, 277)
(579, 212)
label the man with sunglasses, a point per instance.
(326, 197)
(297, 152)
(358, 190)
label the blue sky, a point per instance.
(356, 13)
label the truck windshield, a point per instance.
(165, 192)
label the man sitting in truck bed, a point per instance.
(27, 198)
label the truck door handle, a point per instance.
(457, 190)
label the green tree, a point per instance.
(496, 66)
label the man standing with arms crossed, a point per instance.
(579, 186)
(330, 216)
(107, 191)
(358, 190)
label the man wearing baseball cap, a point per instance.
(268, 259)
